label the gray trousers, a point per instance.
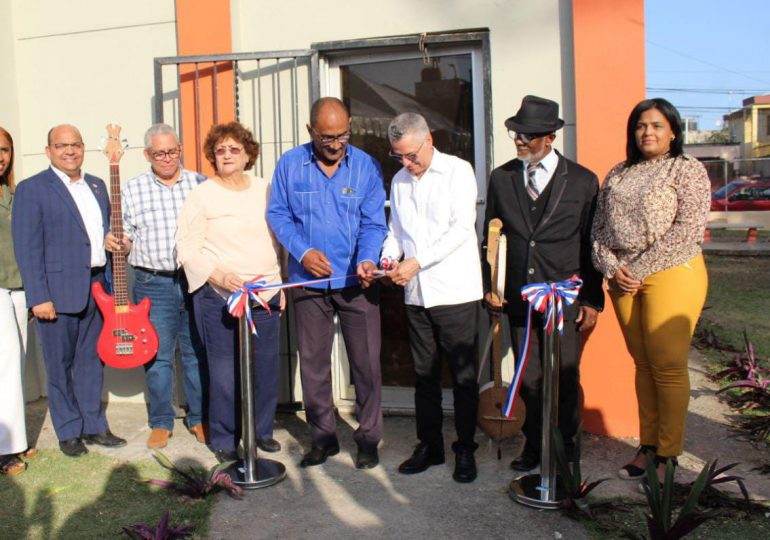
(359, 316)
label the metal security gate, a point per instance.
(268, 92)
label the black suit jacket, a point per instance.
(555, 248)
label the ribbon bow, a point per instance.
(543, 298)
(238, 302)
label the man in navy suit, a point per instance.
(60, 218)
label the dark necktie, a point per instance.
(532, 190)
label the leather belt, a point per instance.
(162, 273)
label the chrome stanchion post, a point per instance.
(541, 490)
(247, 402)
(251, 472)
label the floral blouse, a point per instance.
(651, 216)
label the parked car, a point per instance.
(742, 195)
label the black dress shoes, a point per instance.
(73, 447)
(226, 455)
(269, 445)
(527, 461)
(465, 466)
(367, 457)
(423, 457)
(105, 438)
(318, 454)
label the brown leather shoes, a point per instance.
(201, 432)
(159, 438)
(12, 465)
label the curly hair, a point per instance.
(235, 131)
(7, 178)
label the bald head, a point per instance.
(66, 150)
(328, 107)
(63, 127)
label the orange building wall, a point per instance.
(609, 81)
(203, 27)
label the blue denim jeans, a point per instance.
(171, 314)
(220, 335)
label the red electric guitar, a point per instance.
(128, 338)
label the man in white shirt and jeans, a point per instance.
(433, 226)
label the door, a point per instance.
(446, 86)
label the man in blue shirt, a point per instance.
(327, 209)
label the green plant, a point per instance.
(576, 490)
(197, 482)
(163, 531)
(660, 523)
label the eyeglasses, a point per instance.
(161, 155)
(65, 146)
(328, 140)
(526, 138)
(411, 156)
(234, 150)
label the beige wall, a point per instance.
(9, 105)
(530, 42)
(87, 63)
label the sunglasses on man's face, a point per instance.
(526, 138)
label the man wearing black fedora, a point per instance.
(546, 203)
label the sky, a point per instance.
(719, 49)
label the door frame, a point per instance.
(334, 54)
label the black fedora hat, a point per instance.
(536, 115)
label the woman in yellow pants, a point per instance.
(649, 223)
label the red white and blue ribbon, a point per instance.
(238, 303)
(544, 298)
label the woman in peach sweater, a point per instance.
(222, 241)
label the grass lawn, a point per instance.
(90, 497)
(738, 300)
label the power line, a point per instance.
(703, 108)
(708, 90)
(705, 62)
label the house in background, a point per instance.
(750, 126)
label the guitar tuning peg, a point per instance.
(124, 143)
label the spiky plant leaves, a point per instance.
(197, 482)
(163, 531)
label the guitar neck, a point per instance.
(119, 284)
(493, 258)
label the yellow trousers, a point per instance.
(658, 322)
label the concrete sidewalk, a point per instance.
(336, 501)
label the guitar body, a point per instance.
(127, 339)
(491, 419)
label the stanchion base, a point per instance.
(526, 490)
(266, 473)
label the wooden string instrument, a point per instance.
(492, 395)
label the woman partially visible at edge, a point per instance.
(13, 329)
(649, 224)
(222, 241)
